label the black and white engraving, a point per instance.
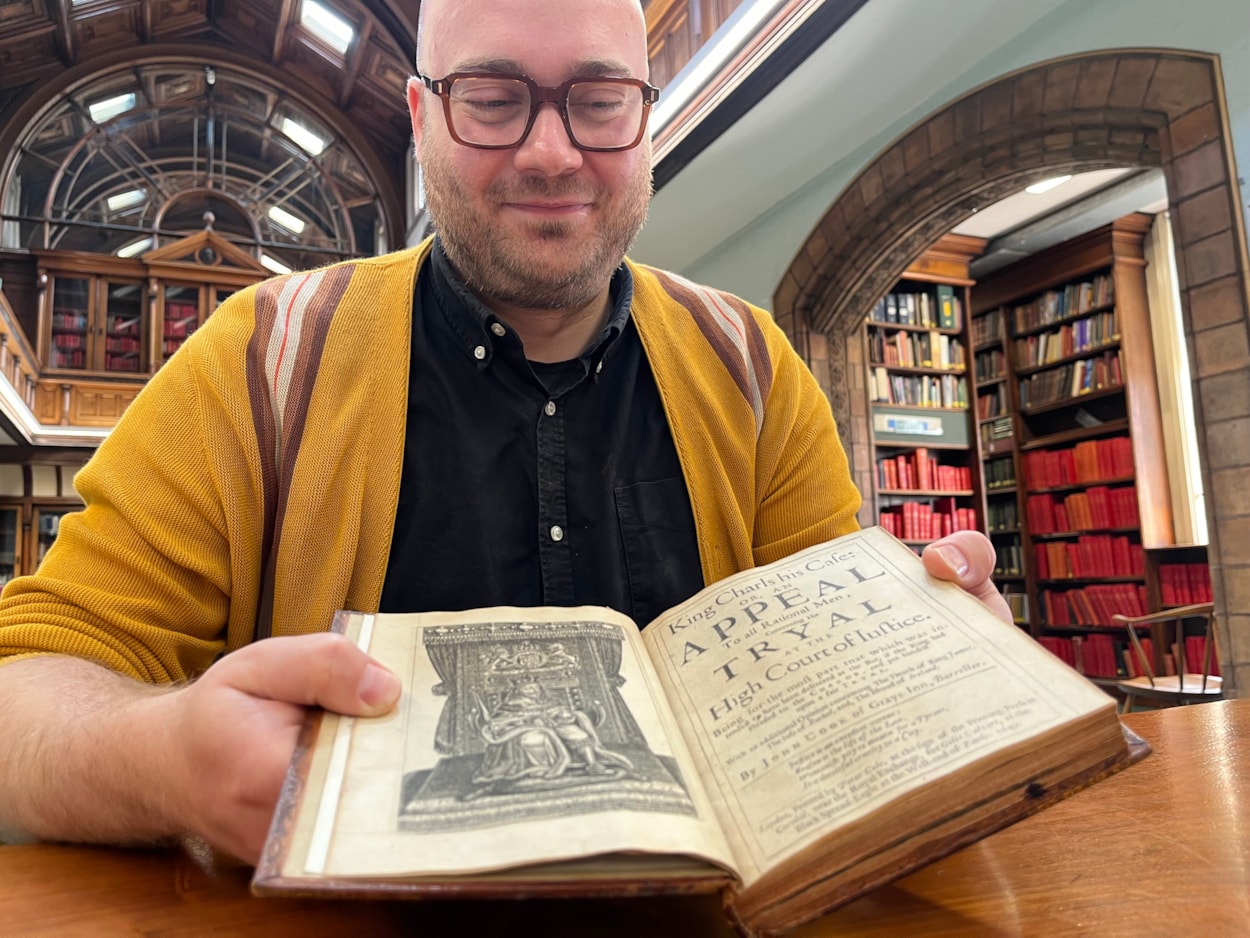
(534, 724)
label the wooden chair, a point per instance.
(1185, 686)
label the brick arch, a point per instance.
(1148, 108)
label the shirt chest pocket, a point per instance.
(659, 544)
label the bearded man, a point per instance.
(510, 413)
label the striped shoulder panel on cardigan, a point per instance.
(730, 328)
(293, 316)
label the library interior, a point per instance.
(1008, 240)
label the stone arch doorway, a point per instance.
(1146, 108)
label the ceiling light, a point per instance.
(1039, 187)
(134, 247)
(275, 265)
(125, 200)
(302, 136)
(327, 26)
(111, 107)
(287, 220)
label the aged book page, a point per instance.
(522, 737)
(817, 689)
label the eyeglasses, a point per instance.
(496, 112)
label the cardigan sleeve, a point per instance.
(145, 578)
(803, 481)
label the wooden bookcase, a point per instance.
(36, 491)
(1076, 459)
(1000, 457)
(95, 315)
(101, 315)
(926, 472)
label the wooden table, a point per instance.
(1161, 848)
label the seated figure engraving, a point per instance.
(529, 735)
(534, 723)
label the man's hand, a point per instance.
(235, 728)
(92, 756)
(967, 558)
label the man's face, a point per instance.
(542, 225)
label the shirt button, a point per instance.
(557, 532)
(550, 409)
(599, 367)
(480, 352)
(498, 329)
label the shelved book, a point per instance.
(1072, 380)
(919, 470)
(1093, 605)
(1095, 656)
(1181, 584)
(792, 736)
(1089, 461)
(1090, 556)
(924, 521)
(1072, 300)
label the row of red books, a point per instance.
(917, 470)
(1098, 507)
(917, 521)
(1195, 648)
(179, 328)
(1092, 555)
(1108, 656)
(1089, 461)
(69, 359)
(1091, 655)
(1094, 605)
(1181, 584)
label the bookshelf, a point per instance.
(97, 321)
(36, 492)
(1070, 441)
(1000, 459)
(124, 317)
(1177, 575)
(920, 389)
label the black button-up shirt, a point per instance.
(532, 484)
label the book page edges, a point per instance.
(753, 913)
(291, 829)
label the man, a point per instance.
(509, 415)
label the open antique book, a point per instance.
(794, 736)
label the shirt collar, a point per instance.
(482, 334)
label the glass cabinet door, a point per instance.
(47, 526)
(70, 308)
(10, 543)
(221, 294)
(181, 317)
(123, 327)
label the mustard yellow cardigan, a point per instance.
(256, 477)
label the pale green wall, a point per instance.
(752, 261)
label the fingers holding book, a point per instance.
(237, 726)
(966, 558)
